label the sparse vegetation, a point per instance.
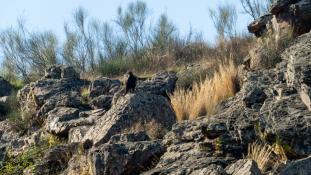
(26, 160)
(92, 46)
(260, 153)
(268, 49)
(20, 120)
(85, 92)
(204, 96)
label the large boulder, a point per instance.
(5, 87)
(129, 110)
(60, 72)
(159, 84)
(259, 26)
(62, 119)
(294, 14)
(102, 102)
(103, 86)
(60, 87)
(124, 158)
(298, 73)
(55, 160)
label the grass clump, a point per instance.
(16, 165)
(268, 49)
(204, 96)
(21, 120)
(261, 153)
(85, 92)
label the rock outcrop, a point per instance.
(294, 14)
(128, 111)
(106, 132)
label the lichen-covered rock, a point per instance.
(60, 87)
(55, 160)
(61, 71)
(159, 84)
(7, 134)
(103, 86)
(259, 26)
(62, 119)
(130, 110)
(129, 137)
(124, 158)
(102, 102)
(244, 166)
(298, 73)
(298, 167)
(76, 134)
(294, 14)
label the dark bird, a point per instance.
(130, 83)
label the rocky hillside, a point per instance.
(75, 126)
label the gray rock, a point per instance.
(61, 71)
(103, 86)
(69, 72)
(259, 26)
(102, 102)
(287, 121)
(244, 166)
(159, 84)
(129, 137)
(76, 134)
(58, 120)
(53, 72)
(299, 67)
(129, 158)
(294, 13)
(61, 119)
(254, 96)
(47, 93)
(298, 167)
(129, 110)
(5, 87)
(78, 164)
(55, 160)
(210, 170)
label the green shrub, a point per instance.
(27, 159)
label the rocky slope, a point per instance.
(124, 134)
(89, 127)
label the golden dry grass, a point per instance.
(260, 153)
(205, 95)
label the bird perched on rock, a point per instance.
(130, 83)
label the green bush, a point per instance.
(27, 159)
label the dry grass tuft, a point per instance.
(260, 153)
(205, 95)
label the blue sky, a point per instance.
(51, 14)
